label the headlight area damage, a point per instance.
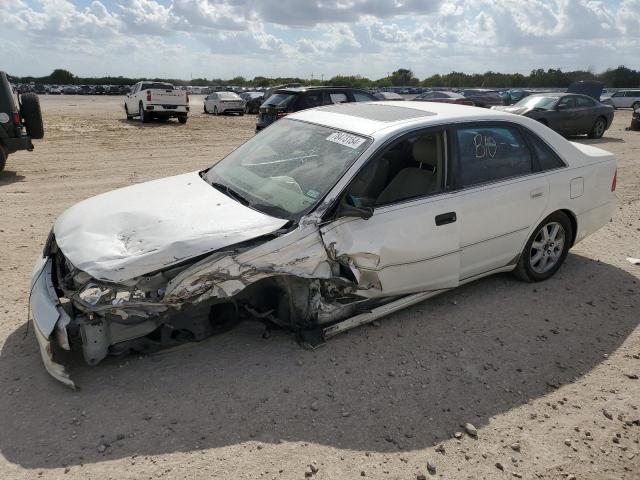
(287, 278)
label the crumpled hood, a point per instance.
(126, 233)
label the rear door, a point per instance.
(501, 195)
(585, 113)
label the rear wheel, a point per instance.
(205, 108)
(31, 115)
(635, 105)
(546, 249)
(215, 110)
(126, 111)
(598, 128)
(182, 119)
(144, 118)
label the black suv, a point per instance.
(284, 101)
(20, 123)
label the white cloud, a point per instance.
(273, 37)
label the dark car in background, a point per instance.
(566, 113)
(483, 98)
(284, 101)
(20, 120)
(253, 100)
(440, 96)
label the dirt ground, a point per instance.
(544, 372)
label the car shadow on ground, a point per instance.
(465, 356)
(8, 177)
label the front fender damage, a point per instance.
(300, 253)
(293, 268)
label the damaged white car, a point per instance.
(328, 219)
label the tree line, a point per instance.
(620, 77)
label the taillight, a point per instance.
(615, 180)
(16, 118)
(148, 95)
(281, 114)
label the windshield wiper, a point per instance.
(230, 192)
(272, 210)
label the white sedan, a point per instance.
(224, 102)
(329, 213)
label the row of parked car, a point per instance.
(41, 89)
(576, 111)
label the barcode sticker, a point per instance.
(346, 139)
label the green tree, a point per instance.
(62, 76)
(403, 77)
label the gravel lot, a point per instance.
(544, 372)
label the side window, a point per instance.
(546, 159)
(584, 102)
(409, 168)
(566, 102)
(338, 97)
(486, 154)
(310, 100)
(361, 97)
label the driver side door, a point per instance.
(411, 241)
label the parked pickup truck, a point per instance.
(149, 100)
(20, 120)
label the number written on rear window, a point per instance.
(486, 154)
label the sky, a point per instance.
(315, 38)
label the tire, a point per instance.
(126, 111)
(144, 118)
(635, 105)
(242, 114)
(546, 249)
(182, 119)
(205, 108)
(247, 109)
(215, 110)
(598, 128)
(3, 158)
(31, 115)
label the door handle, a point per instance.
(536, 193)
(445, 218)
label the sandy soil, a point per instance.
(542, 371)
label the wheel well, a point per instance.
(574, 224)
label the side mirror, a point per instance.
(348, 209)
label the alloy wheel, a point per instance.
(547, 247)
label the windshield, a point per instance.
(537, 102)
(285, 170)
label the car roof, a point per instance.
(312, 88)
(367, 118)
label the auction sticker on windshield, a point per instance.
(346, 139)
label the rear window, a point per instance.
(279, 100)
(157, 86)
(228, 96)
